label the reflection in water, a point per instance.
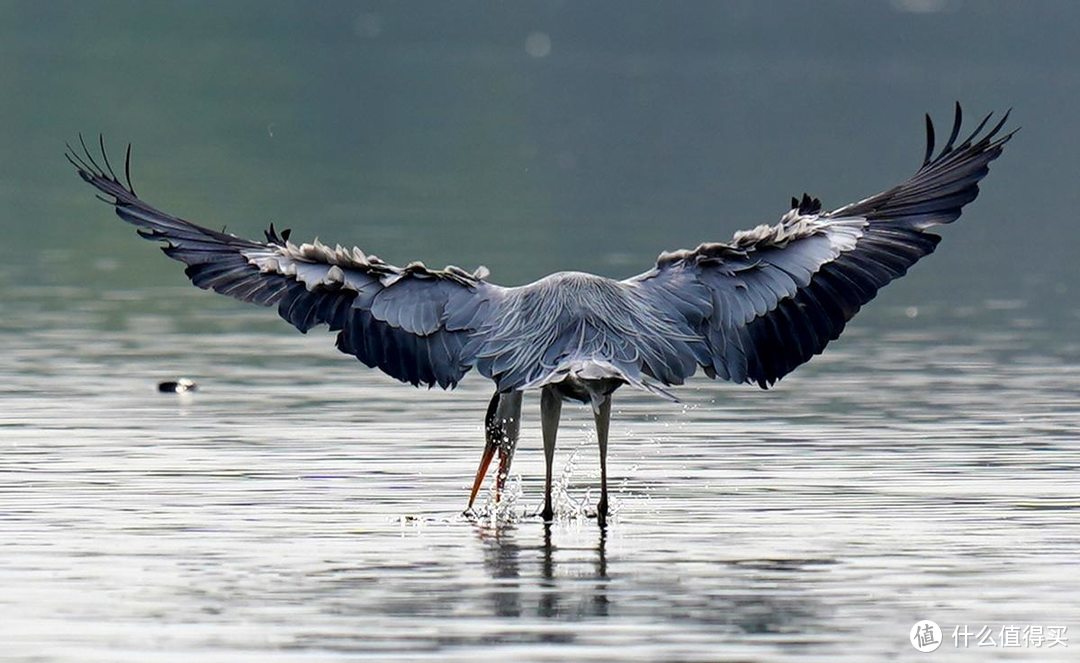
(299, 508)
(583, 595)
(502, 558)
(316, 514)
(763, 597)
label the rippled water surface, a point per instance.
(299, 507)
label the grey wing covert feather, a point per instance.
(410, 322)
(777, 295)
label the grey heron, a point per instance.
(749, 310)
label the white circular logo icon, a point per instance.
(925, 636)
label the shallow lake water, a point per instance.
(299, 507)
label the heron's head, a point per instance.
(497, 442)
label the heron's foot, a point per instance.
(602, 513)
(548, 514)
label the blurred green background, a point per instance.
(534, 136)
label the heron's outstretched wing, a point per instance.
(776, 295)
(412, 322)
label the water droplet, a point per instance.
(538, 45)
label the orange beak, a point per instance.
(481, 472)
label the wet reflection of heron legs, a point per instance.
(549, 596)
(600, 591)
(554, 599)
(560, 596)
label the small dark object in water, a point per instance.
(177, 387)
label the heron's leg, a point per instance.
(508, 419)
(602, 415)
(550, 409)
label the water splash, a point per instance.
(569, 502)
